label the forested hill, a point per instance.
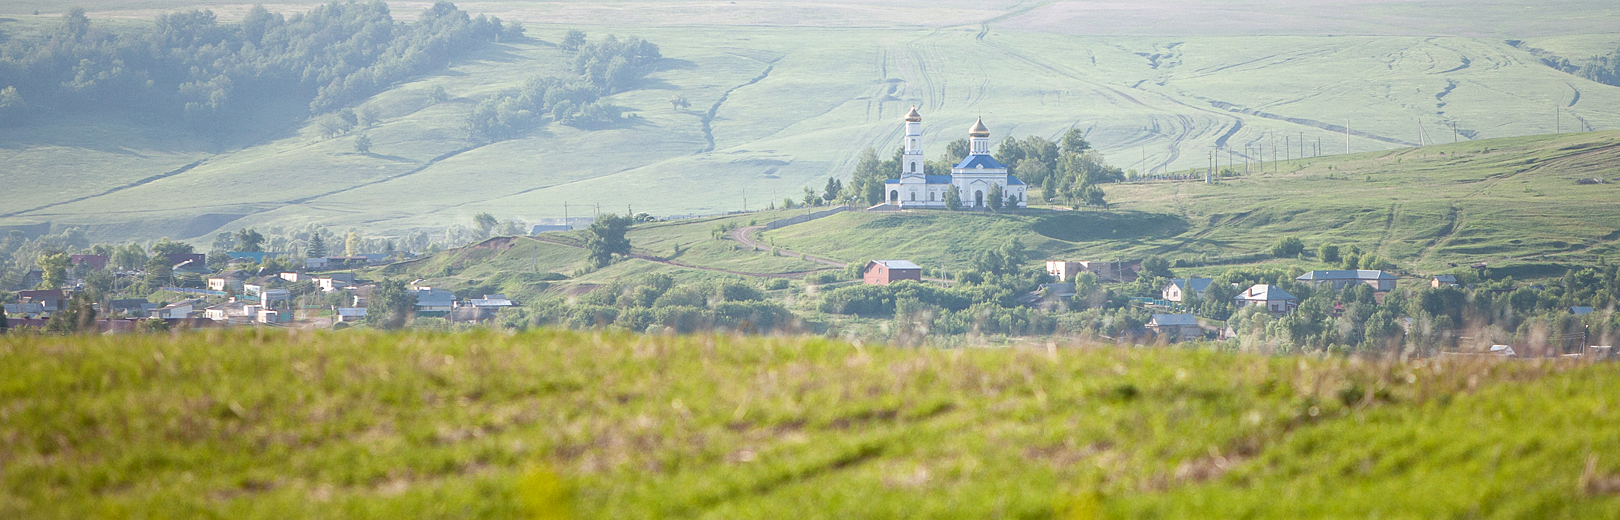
(188, 66)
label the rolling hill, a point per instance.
(784, 96)
(1529, 207)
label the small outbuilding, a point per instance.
(1175, 327)
(885, 272)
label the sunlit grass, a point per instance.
(266, 424)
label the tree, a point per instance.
(249, 240)
(362, 144)
(439, 94)
(810, 197)
(679, 103)
(1074, 141)
(391, 304)
(957, 150)
(165, 247)
(485, 223)
(573, 40)
(130, 257)
(953, 198)
(79, 316)
(1012, 200)
(867, 180)
(158, 269)
(55, 267)
(1157, 266)
(99, 282)
(352, 244)
(1328, 253)
(994, 198)
(368, 117)
(830, 193)
(1287, 247)
(317, 246)
(605, 238)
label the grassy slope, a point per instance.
(831, 91)
(1511, 202)
(258, 424)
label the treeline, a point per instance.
(1601, 68)
(654, 304)
(188, 65)
(1069, 171)
(599, 69)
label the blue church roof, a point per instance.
(1013, 181)
(979, 161)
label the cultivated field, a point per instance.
(786, 95)
(547, 424)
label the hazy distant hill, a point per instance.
(785, 95)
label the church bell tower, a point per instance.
(912, 161)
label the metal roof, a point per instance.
(1173, 319)
(1356, 274)
(979, 161)
(1192, 284)
(1266, 292)
(897, 264)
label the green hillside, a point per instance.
(785, 96)
(1515, 203)
(545, 424)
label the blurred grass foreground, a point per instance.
(554, 424)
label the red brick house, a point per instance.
(885, 272)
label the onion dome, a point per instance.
(979, 130)
(913, 116)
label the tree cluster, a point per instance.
(655, 303)
(600, 69)
(213, 75)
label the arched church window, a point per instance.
(913, 167)
(894, 196)
(914, 196)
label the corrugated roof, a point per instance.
(1259, 292)
(897, 264)
(1193, 284)
(1173, 319)
(1355, 274)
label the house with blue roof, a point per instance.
(974, 177)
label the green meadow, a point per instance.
(784, 95)
(550, 424)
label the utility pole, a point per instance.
(1274, 168)
(1558, 116)
(1302, 145)
(1288, 149)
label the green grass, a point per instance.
(1512, 202)
(839, 75)
(266, 424)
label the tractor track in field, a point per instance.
(708, 117)
(110, 191)
(664, 261)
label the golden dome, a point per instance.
(979, 130)
(913, 116)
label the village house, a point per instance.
(315, 263)
(1273, 298)
(25, 310)
(434, 302)
(1443, 280)
(1179, 288)
(885, 272)
(233, 312)
(1175, 327)
(351, 314)
(50, 300)
(133, 307)
(97, 262)
(231, 280)
(294, 276)
(178, 310)
(1378, 280)
(1065, 270)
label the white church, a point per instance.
(973, 176)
